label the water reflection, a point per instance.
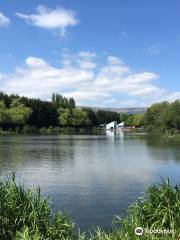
(110, 133)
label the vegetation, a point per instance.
(134, 120)
(107, 117)
(163, 117)
(160, 118)
(24, 114)
(73, 118)
(44, 114)
(62, 102)
(24, 215)
(16, 115)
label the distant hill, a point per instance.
(119, 110)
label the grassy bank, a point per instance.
(24, 215)
(50, 130)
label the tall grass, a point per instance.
(24, 215)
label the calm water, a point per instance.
(90, 177)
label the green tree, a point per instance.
(73, 117)
(155, 117)
(92, 116)
(44, 113)
(18, 113)
(123, 117)
(138, 120)
(173, 118)
(80, 118)
(72, 103)
(59, 101)
(65, 117)
(107, 116)
(130, 121)
(4, 115)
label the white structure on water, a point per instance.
(111, 125)
(120, 125)
(114, 125)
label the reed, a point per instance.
(24, 215)
(159, 209)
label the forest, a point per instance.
(22, 112)
(163, 117)
(29, 115)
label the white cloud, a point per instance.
(4, 21)
(35, 62)
(114, 60)
(39, 79)
(53, 19)
(82, 59)
(113, 84)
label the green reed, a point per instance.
(25, 215)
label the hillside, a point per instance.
(119, 110)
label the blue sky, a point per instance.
(114, 53)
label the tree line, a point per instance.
(163, 117)
(16, 111)
(159, 118)
(20, 112)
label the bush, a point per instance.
(29, 129)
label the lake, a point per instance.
(90, 177)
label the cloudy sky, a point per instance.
(114, 53)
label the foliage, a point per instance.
(73, 117)
(130, 121)
(135, 120)
(91, 116)
(163, 117)
(62, 102)
(17, 114)
(123, 117)
(29, 129)
(24, 215)
(44, 113)
(104, 117)
(27, 234)
(138, 120)
(4, 116)
(158, 209)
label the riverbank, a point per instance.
(50, 130)
(24, 215)
(64, 130)
(172, 137)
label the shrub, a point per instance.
(29, 129)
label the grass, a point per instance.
(24, 215)
(50, 130)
